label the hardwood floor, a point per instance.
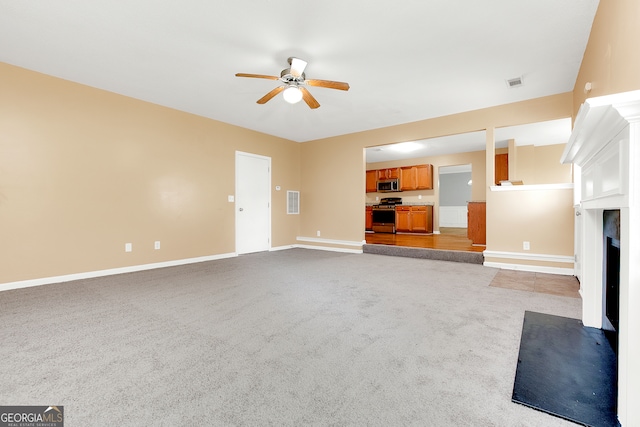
(452, 239)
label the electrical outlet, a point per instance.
(526, 246)
(128, 247)
(156, 245)
(318, 233)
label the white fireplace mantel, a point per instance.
(605, 145)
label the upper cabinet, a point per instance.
(389, 173)
(418, 177)
(408, 178)
(501, 168)
(424, 177)
(372, 179)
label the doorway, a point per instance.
(454, 192)
(253, 203)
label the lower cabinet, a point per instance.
(414, 219)
(368, 218)
(403, 223)
(477, 222)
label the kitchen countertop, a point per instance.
(418, 204)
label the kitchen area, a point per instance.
(400, 210)
(389, 214)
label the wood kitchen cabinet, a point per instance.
(403, 223)
(368, 218)
(502, 168)
(372, 180)
(477, 222)
(418, 177)
(414, 219)
(408, 178)
(389, 173)
(420, 219)
(424, 177)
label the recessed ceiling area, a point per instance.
(404, 61)
(542, 133)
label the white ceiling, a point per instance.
(407, 60)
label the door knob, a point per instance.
(241, 209)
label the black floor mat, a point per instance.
(567, 370)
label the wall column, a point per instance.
(491, 158)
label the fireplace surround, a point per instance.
(605, 150)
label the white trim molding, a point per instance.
(529, 257)
(329, 248)
(564, 259)
(330, 241)
(109, 272)
(530, 268)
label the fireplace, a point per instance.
(611, 275)
(604, 148)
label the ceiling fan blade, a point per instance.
(257, 76)
(297, 66)
(328, 83)
(308, 98)
(270, 95)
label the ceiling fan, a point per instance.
(294, 81)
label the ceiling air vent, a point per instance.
(514, 82)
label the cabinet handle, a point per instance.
(578, 213)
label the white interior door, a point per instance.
(253, 203)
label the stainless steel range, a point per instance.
(384, 215)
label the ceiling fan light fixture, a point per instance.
(292, 95)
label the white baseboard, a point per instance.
(564, 259)
(282, 248)
(328, 248)
(531, 268)
(109, 272)
(329, 241)
(528, 256)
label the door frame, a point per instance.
(236, 207)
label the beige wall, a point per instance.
(336, 166)
(84, 171)
(542, 217)
(611, 60)
(541, 165)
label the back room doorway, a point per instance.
(454, 184)
(253, 203)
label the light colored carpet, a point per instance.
(289, 338)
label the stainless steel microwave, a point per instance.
(388, 186)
